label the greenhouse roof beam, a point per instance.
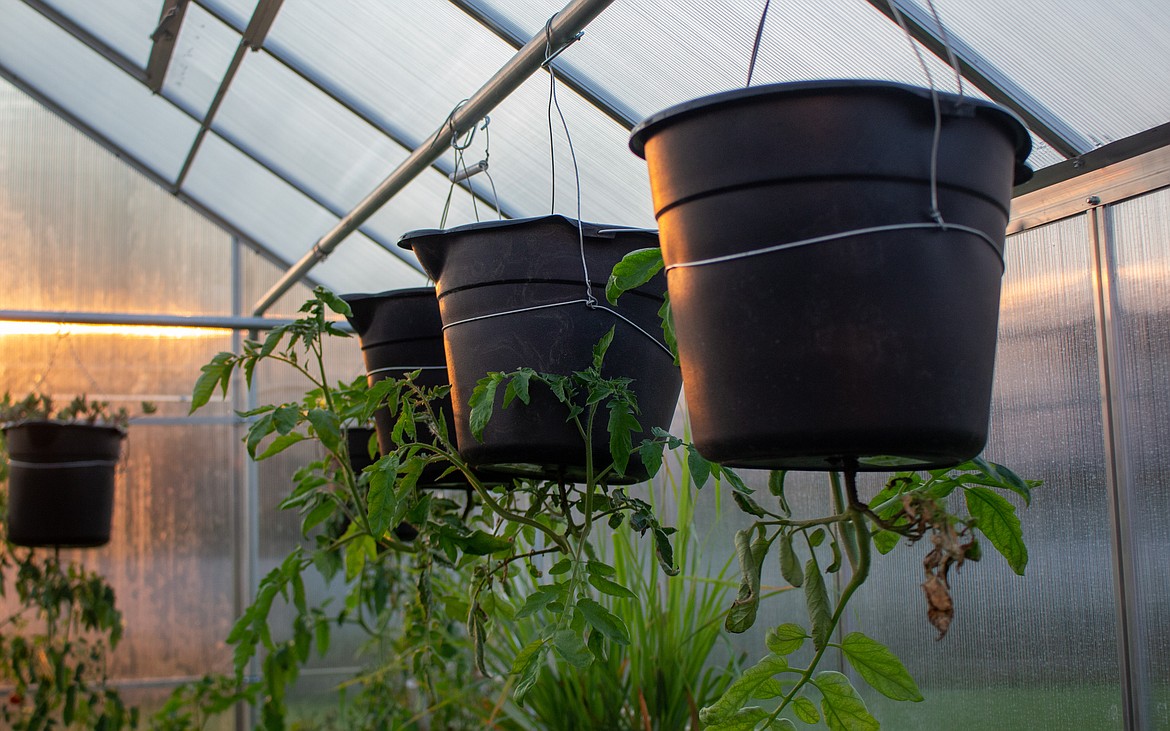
(587, 91)
(562, 29)
(253, 39)
(123, 319)
(990, 80)
(164, 37)
(94, 43)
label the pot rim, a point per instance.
(389, 294)
(121, 431)
(650, 125)
(591, 230)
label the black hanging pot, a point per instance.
(513, 294)
(401, 332)
(61, 482)
(828, 313)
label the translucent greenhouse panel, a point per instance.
(309, 138)
(405, 65)
(647, 57)
(259, 274)
(149, 128)
(1141, 267)
(236, 12)
(81, 230)
(201, 56)
(420, 204)
(281, 218)
(124, 25)
(1038, 650)
(360, 265)
(1101, 68)
(614, 186)
(170, 558)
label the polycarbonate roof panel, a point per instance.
(113, 104)
(124, 25)
(270, 211)
(236, 12)
(405, 65)
(1102, 67)
(614, 186)
(420, 205)
(201, 56)
(299, 131)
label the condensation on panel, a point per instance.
(81, 230)
(1141, 271)
(1037, 651)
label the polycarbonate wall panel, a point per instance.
(1039, 650)
(201, 56)
(1100, 68)
(124, 25)
(170, 558)
(80, 230)
(1141, 271)
(118, 107)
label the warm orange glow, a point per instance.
(137, 331)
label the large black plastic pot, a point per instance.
(61, 482)
(874, 348)
(512, 294)
(401, 332)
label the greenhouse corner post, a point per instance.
(562, 30)
(1135, 693)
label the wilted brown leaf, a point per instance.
(940, 610)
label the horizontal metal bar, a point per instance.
(214, 322)
(1127, 179)
(561, 29)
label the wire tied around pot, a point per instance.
(933, 213)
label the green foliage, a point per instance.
(910, 507)
(39, 407)
(666, 671)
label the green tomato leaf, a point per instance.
(527, 666)
(280, 444)
(996, 519)
(776, 487)
(740, 690)
(881, 668)
(806, 710)
(651, 454)
(789, 563)
(333, 302)
(635, 269)
(480, 543)
(699, 467)
(483, 398)
(327, 427)
(216, 373)
(747, 505)
(612, 588)
(842, 708)
(518, 386)
(885, 541)
(664, 551)
(561, 567)
(750, 553)
(816, 598)
(570, 646)
(622, 425)
(666, 317)
(786, 639)
(604, 621)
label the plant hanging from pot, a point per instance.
(61, 469)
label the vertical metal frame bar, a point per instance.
(1134, 684)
